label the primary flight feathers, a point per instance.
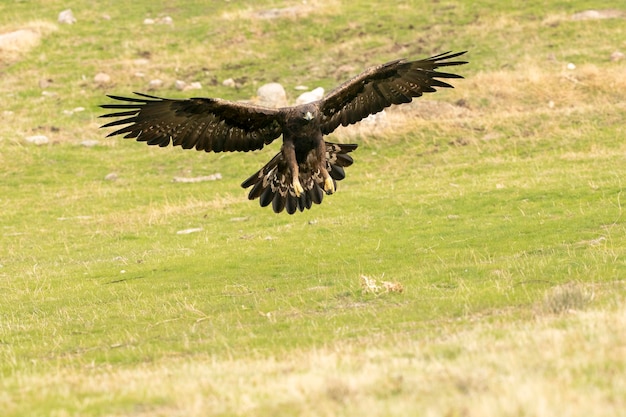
(306, 166)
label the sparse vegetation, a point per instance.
(498, 213)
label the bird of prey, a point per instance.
(307, 166)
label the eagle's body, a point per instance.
(306, 166)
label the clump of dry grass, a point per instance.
(371, 286)
(566, 298)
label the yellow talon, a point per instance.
(329, 186)
(297, 187)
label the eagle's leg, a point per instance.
(329, 185)
(289, 152)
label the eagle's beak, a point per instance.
(308, 116)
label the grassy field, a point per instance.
(499, 214)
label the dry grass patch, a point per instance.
(17, 41)
(567, 298)
(552, 365)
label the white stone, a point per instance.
(189, 231)
(102, 78)
(272, 95)
(154, 84)
(37, 139)
(194, 86)
(617, 56)
(310, 96)
(204, 178)
(229, 82)
(67, 17)
(89, 143)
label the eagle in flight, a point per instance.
(307, 166)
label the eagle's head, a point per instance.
(308, 112)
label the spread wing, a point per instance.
(204, 123)
(395, 82)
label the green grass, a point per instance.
(504, 225)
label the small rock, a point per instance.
(154, 84)
(194, 86)
(111, 177)
(617, 56)
(289, 12)
(239, 219)
(67, 17)
(37, 139)
(229, 82)
(272, 95)
(139, 74)
(212, 177)
(141, 61)
(310, 96)
(376, 120)
(301, 88)
(571, 66)
(189, 231)
(102, 78)
(74, 110)
(167, 20)
(183, 86)
(90, 143)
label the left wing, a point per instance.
(395, 82)
(204, 123)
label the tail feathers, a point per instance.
(272, 184)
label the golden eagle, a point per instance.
(306, 166)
